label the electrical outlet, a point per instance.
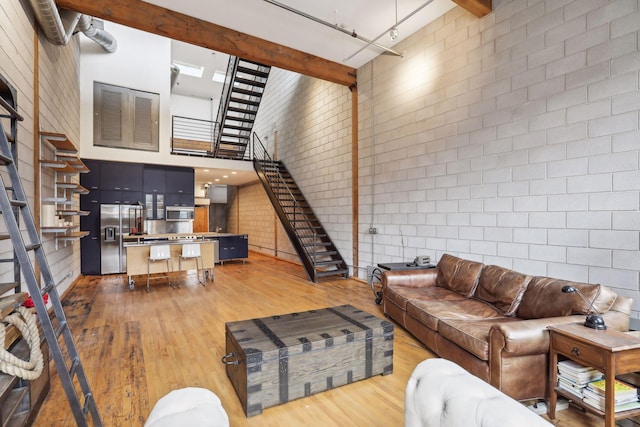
(373, 230)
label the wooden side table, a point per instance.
(609, 351)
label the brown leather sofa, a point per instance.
(493, 321)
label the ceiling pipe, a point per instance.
(335, 27)
(59, 26)
(387, 31)
(94, 30)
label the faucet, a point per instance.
(218, 229)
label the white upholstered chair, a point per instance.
(159, 253)
(191, 406)
(442, 394)
(192, 251)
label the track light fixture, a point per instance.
(393, 33)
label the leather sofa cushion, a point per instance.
(401, 295)
(430, 312)
(502, 288)
(473, 336)
(457, 274)
(544, 298)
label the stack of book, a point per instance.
(574, 377)
(625, 395)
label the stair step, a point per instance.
(249, 82)
(308, 228)
(247, 92)
(301, 205)
(257, 73)
(234, 135)
(239, 119)
(226, 126)
(242, 110)
(325, 253)
(244, 101)
(319, 244)
(311, 236)
(341, 271)
(333, 262)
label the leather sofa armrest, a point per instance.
(524, 337)
(532, 337)
(409, 278)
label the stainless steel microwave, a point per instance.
(179, 213)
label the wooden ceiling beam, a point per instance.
(479, 8)
(174, 25)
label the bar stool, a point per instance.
(192, 251)
(160, 253)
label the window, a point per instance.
(125, 118)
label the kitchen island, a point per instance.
(214, 247)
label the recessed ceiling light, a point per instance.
(217, 180)
(234, 172)
(206, 170)
(190, 69)
(225, 176)
(218, 76)
(209, 182)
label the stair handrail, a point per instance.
(258, 148)
(226, 88)
(226, 96)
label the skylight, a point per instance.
(190, 69)
(218, 76)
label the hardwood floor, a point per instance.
(138, 346)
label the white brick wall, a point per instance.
(59, 112)
(534, 138)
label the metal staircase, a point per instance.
(67, 362)
(243, 89)
(318, 254)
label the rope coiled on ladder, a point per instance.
(9, 363)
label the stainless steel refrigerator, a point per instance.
(114, 224)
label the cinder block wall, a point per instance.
(258, 219)
(512, 140)
(306, 123)
(58, 112)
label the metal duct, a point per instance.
(94, 29)
(59, 26)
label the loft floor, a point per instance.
(138, 346)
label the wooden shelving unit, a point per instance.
(66, 165)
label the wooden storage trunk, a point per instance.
(276, 359)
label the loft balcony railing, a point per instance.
(196, 137)
(193, 136)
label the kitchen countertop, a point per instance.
(181, 237)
